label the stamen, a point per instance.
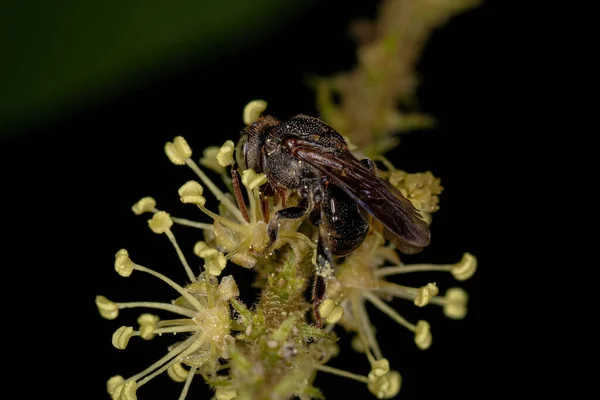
(253, 199)
(173, 353)
(195, 346)
(364, 325)
(188, 270)
(160, 306)
(216, 191)
(342, 373)
(377, 302)
(171, 329)
(193, 224)
(404, 269)
(400, 291)
(188, 382)
(174, 322)
(230, 224)
(193, 301)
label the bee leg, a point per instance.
(265, 192)
(286, 213)
(235, 180)
(318, 295)
(273, 228)
(323, 272)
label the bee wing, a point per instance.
(402, 222)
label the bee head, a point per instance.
(253, 137)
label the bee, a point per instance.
(341, 195)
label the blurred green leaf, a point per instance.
(61, 53)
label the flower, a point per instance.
(271, 349)
(204, 314)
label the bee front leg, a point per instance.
(273, 228)
(237, 190)
(287, 213)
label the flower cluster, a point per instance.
(272, 347)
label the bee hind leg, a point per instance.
(323, 271)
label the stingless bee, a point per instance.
(338, 192)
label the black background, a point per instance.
(72, 181)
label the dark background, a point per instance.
(71, 176)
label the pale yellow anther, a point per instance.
(387, 386)
(209, 159)
(123, 264)
(178, 151)
(113, 383)
(425, 293)
(191, 192)
(107, 309)
(335, 315)
(253, 110)
(465, 268)
(147, 325)
(225, 393)
(331, 311)
(225, 155)
(202, 250)
(160, 222)
(252, 180)
(125, 391)
(227, 289)
(214, 265)
(177, 372)
(455, 306)
(423, 335)
(121, 337)
(378, 369)
(326, 307)
(145, 204)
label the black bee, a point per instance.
(338, 192)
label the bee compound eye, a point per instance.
(241, 152)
